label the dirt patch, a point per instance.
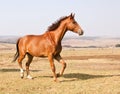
(99, 66)
(97, 62)
(112, 57)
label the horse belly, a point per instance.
(38, 53)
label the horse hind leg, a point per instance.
(20, 58)
(30, 58)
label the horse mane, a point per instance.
(56, 24)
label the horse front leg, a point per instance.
(52, 65)
(59, 59)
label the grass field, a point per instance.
(89, 71)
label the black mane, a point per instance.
(56, 24)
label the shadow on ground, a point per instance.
(15, 70)
(78, 76)
(81, 76)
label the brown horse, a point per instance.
(46, 45)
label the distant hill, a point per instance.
(75, 42)
(8, 39)
(90, 42)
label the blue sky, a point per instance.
(96, 17)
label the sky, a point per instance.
(23, 17)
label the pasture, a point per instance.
(89, 71)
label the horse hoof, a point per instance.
(29, 77)
(58, 75)
(22, 77)
(56, 81)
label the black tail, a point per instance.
(17, 52)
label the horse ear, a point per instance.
(72, 15)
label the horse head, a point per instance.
(73, 26)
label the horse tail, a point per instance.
(17, 52)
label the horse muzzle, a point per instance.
(80, 32)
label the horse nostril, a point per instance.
(80, 32)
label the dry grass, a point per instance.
(89, 71)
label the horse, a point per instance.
(47, 44)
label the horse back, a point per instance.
(36, 45)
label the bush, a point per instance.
(117, 45)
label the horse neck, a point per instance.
(59, 33)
